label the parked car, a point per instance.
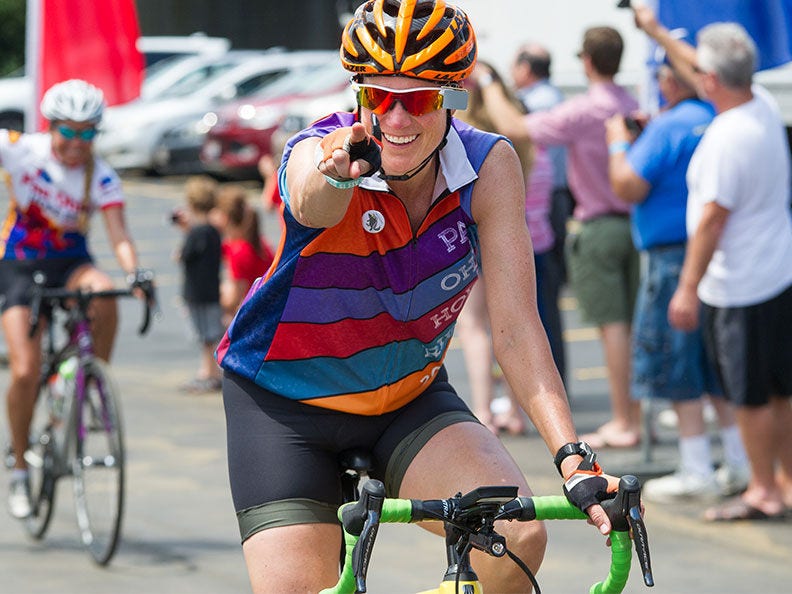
(131, 134)
(16, 89)
(243, 130)
(161, 47)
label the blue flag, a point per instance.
(768, 22)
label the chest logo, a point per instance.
(373, 221)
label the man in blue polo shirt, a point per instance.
(669, 363)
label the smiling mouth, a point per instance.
(400, 139)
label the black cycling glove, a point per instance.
(586, 486)
(369, 151)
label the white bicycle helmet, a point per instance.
(74, 100)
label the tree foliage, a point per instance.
(12, 35)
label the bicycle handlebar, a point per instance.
(482, 507)
(56, 296)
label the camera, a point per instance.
(633, 125)
(175, 216)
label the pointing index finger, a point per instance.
(358, 133)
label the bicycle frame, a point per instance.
(79, 344)
(84, 436)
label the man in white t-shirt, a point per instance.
(739, 257)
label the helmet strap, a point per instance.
(416, 170)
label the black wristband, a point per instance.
(580, 448)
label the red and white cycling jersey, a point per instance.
(46, 197)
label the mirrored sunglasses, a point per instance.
(416, 102)
(69, 133)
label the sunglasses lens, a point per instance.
(417, 103)
(422, 102)
(377, 100)
(70, 133)
(66, 132)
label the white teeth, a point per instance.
(400, 139)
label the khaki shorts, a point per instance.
(604, 269)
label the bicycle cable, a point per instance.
(521, 564)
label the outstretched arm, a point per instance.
(681, 54)
(504, 115)
(314, 200)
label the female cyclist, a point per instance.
(341, 345)
(55, 183)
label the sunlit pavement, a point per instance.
(180, 533)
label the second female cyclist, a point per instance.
(389, 214)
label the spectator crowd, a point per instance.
(679, 251)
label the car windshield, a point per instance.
(157, 68)
(198, 78)
(304, 80)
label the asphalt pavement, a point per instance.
(180, 533)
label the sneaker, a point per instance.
(732, 480)
(681, 486)
(19, 505)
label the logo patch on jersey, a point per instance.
(373, 221)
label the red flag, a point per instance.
(90, 40)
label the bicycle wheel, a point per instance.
(98, 465)
(40, 458)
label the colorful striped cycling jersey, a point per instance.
(46, 197)
(358, 317)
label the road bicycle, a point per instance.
(77, 428)
(469, 524)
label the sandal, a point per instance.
(737, 509)
(203, 385)
(513, 425)
(607, 437)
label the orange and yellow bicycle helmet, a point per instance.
(427, 39)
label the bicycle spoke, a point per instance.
(40, 461)
(99, 468)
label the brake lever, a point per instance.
(624, 512)
(641, 542)
(363, 518)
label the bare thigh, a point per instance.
(89, 276)
(293, 559)
(459, 458)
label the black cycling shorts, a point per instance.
(283, 454)
(16, 277)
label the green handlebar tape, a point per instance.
(556, 507)
(621, 556)
(394, 511)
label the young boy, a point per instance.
(200, 258)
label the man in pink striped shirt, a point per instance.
(602, 262)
